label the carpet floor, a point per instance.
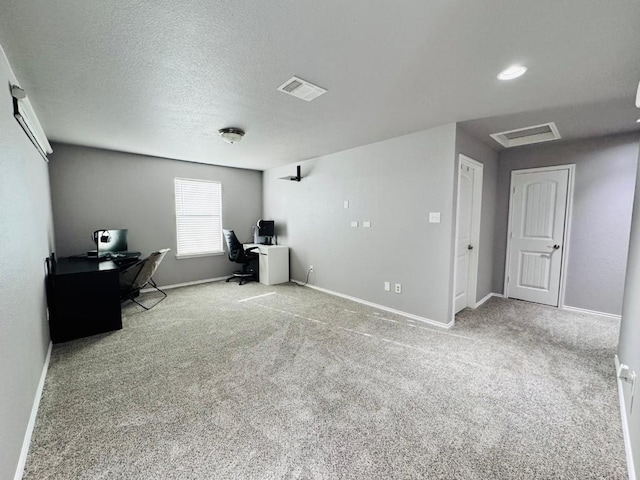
(255, 382)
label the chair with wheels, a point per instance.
(246, 258)
(137, 276)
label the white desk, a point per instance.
(273, 263)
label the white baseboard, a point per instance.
(186, 284)
(484, 300)
(591, 312)
(625, 425)
(32, 418)
(380, 307)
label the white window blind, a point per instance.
(198, 216)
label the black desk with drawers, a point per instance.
(83, 297)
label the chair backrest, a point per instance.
(138, 275)
(236, 250)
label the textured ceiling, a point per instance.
(161, 77)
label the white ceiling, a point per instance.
(161, 77)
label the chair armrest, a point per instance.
(250, 249)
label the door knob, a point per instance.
(469, 247)
(555, 247)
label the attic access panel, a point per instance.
(528, 135)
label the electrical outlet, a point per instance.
(354, 223)
(366, 224)
(310, 268)
(624, 372)
(387, 287)
(398, 288)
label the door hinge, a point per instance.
(514, 189)
(508, 278)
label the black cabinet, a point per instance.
(84, 298)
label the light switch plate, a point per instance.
(366, 224)
(387, 286)
(354, 223)
(346, 204)
(434, 217)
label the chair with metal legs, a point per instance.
(137, 276)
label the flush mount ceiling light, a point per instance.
(231, 135)
(514, 71)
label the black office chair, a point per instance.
(238, 254)
(137, 276)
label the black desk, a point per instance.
(84, 298)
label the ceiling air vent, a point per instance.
(301, 89)
(525, 136)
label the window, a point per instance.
(198, 217)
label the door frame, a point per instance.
(571, 167)
(476, 220)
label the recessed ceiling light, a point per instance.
(638, 120)
(514, 71)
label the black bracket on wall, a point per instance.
(297, 178)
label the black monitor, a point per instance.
(264, 231)
(266, 228)
(110, 241)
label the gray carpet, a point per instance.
(303, 385)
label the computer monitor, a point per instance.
(266, 228)
(264, 232)
(110, 241)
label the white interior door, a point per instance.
(467, 233)
(538, 211)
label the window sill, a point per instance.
(200, 255)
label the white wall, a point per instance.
(26, 239)
(93, 188)
(603, 198)
(394, 184)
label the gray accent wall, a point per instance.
(603, 197)
(93, 188)
(475, 149)
(26, 238)
(393, 184)
(628, 351)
